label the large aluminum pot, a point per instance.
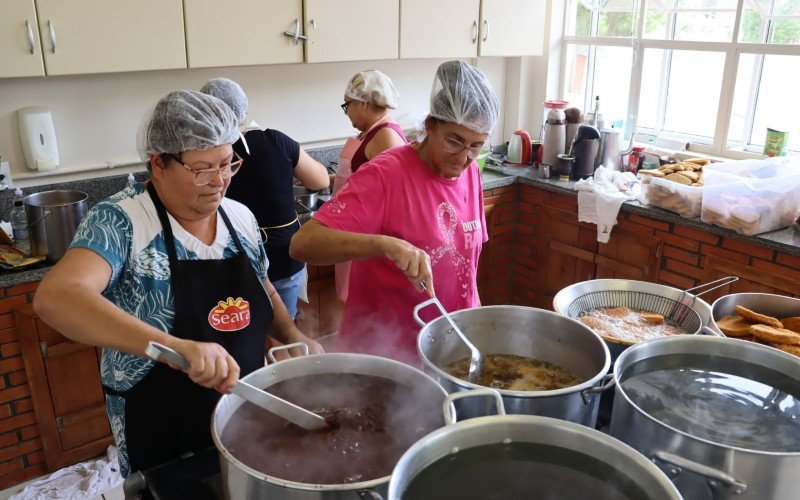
(777, 306)
(701, 468)
(564, 300)
(550, 459)
(53, 218)
(523, 331)
(243, 482)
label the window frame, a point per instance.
(732, 51)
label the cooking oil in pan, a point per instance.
(720, 407)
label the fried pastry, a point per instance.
(754, 317)
(734, 326)
(775, 335)
(791, 349)
(652, 318)
(792, 323)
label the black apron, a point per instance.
(166, 414)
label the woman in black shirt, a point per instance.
(272, 160)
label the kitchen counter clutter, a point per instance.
(784, 240)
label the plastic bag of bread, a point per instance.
(752, 196)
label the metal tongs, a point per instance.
(476, 357)
(284, 409)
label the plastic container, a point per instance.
(19, 224)
(752, 196)
(687, 201)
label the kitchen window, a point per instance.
(715, 73)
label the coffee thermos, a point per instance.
(555, 136)
(585, 147)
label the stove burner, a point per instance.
(197, 477)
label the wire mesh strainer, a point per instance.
(673, 311)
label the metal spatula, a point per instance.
(284, 409)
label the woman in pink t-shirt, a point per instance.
(412, 214)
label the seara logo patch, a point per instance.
(230, 315)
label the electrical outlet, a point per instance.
(5, 170)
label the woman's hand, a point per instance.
(210, 365)
(414, 262)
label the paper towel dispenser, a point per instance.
(38, 137)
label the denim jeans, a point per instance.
(289, 289)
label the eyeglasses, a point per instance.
(345, 105)
(453, 146)
(203, 176)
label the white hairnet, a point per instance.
(186, 120)
(462, 94)
(374, 87)
(231, 93)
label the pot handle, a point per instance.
(716, 478)
(369, 494)
(40, 219)
(271, 353)
(710, 332)
(419, 307)
(448, 407)
(606, 383)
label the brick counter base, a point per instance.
(21, 456)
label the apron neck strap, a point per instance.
(169, 238)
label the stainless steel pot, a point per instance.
(243, 482)
(564, 299)
(777, 306)
(307, 198)
(554, 443)
(524, 331)
(53, 218)
(703, 469)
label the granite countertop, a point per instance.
(784, 240)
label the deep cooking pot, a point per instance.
(53, 218)
(305, 197)
(777, 306)
(524, 456)
(700, 467)
(523, 331)
(243, 482)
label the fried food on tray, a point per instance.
(775, 335)
(791, 349)
(792, 323)
(734, 326)
(754, 317)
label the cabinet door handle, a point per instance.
(313, 24)
(485, 29)
(296, 36)
(474, 31)
(30, 35)
(52, 35)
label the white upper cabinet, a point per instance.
(103, 36)
(512, 27)
(243, 32)
(352, 30)
(439, 28)
(20, 50)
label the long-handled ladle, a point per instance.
(476, 358)
(284, 409)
